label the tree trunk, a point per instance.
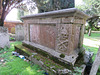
(4, 14)
(89, 33)
(1, 22)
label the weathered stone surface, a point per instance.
(83, 69)
(68, 38)
(43, 35)
(96, 64)
(44, 20)
(4, 38)
(59, 13)
(73, 20)
(64, 72)
(87, 56)
(19, 33)
(51, 52)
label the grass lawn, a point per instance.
(92, 43)
(11, 65)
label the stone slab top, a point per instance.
(74, 12)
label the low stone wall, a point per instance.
(19, 32)
(4, 38)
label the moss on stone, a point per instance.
(36, 50)
(62, 55)
(49, 63)
(55, 59)
(22, 50)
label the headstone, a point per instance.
(19, 33)
(4, 38)
(96, 64)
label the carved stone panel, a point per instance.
(62, 37)
(43, 35)
(67, 38)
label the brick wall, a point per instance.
(11, 25)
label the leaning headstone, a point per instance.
(96, 64)
(4, 37)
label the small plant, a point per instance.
(11, 38)
(77, 71)
(62, 55)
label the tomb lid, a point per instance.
(73, 12)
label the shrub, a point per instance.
(13, 30)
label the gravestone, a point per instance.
(19, 32)
(4, 37)
(96, 64)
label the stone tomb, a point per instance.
(56, 32)
(57, 35)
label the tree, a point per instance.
(50, 5)
(20, 13)
(8, 5)
(92, 8)
(93, 22)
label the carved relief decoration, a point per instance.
(62, 38)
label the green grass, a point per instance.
(94, 36)
(15, 66)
